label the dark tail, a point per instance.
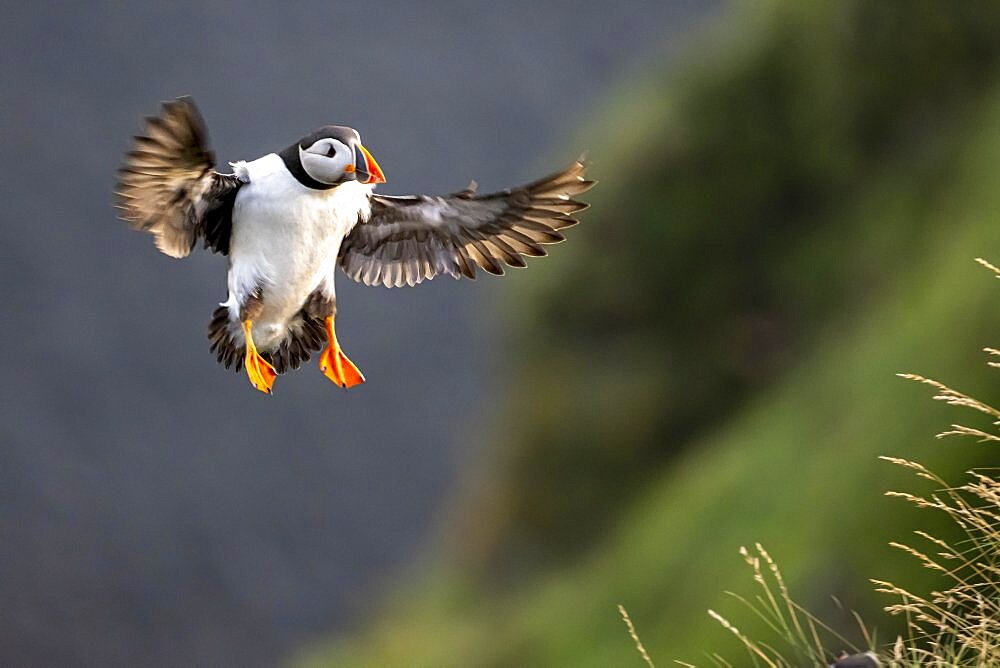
(306, 335)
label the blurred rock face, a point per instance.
(779, 229)
(154, 509)
(718, 255)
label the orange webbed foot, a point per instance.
(259, 371)
(335, 365)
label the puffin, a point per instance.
(288, 220)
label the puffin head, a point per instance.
(330, 156)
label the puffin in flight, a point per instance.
(288, 220)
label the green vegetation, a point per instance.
(956, 624)
(780, 228)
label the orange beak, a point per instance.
(367, 169)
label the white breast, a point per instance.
(285, 239)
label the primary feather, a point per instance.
(411, 239)
(168, 186)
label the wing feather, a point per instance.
(411, 239)
(168, 186)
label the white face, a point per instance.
(326, 160)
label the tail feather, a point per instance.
(305, 336)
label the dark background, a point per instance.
(153, 508)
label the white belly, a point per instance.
(285, 239)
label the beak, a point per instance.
(368, 170)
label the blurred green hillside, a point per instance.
(781, 226)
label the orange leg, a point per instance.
(261, 373)
(334, 363)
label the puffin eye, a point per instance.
(332, 151)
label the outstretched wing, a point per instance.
(409, 239)
(167, 186)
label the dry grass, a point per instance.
(635, 636)
(960, 624)
(956, 626)
(799, 637)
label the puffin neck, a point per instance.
(290, 156)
